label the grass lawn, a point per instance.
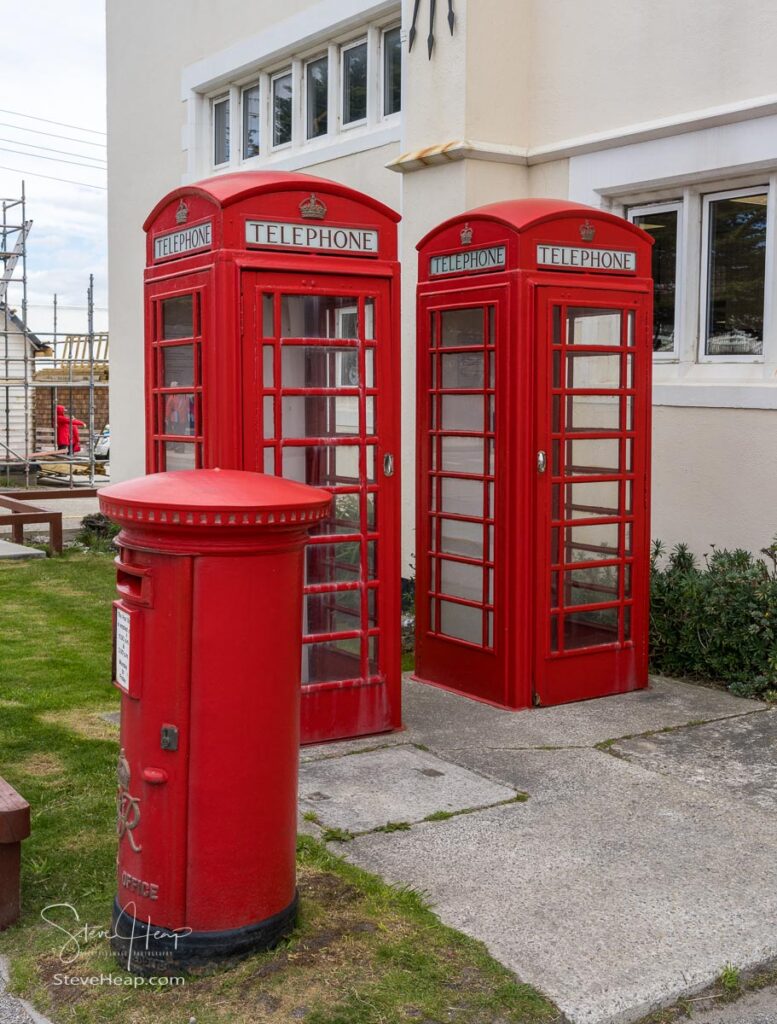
(364, 953)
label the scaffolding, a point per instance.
(42, 370)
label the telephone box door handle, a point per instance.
(542, 462)
(388, 464)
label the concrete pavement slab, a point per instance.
(320, 751)
(14, 552)
(447, 722)
(753, 1008)
(613, 889)
(738, 755)
(366, 791)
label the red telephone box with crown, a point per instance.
(272, 345)
(534, 400)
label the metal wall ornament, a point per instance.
(432, 12)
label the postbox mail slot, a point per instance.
(133, 582)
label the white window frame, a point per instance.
(679, 297)
(707, 200)
(396, 114)
(312, 139)
(286, 71)
(350, 45)
(222, 97)
(255, 83)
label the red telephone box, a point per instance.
(534, 378)
(272, 345)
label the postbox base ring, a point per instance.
(149, 949)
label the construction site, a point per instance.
(54, 419)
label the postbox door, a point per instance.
(320, 406)
(459, 636)
(592, 457)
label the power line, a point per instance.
(61, 124)
(52, 135)
(37, 174)
(55, 159)
(52, 149)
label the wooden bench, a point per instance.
(14, 827)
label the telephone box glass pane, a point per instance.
(458, 579)
(319, 316)
(592, 500)
(589, 543)
(324, 465)
(597, 584)
(461, 538)
(178, 317)
(179, 414)
(594, 413)
(335, 659)
(345, 517)
(590, 629)
(320, 416)
(593, 370)
(462, 455)
(462, 412)
(338, 611)
(461, 622)
(317, 93)
(593, 326)
(462, 497)
(281, 110)
(179, 455)
(593, 456)
(355, 83)
(462, 327)
(462, 370)
(178, 366)
(319, 366)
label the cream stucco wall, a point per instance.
(516, 82)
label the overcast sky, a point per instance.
(53, 68)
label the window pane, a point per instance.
(461, 580)
(250, 121)
(317, 89)
(598, 584)
(178, 364)
(593, 370)
(281, 110)
(462, 412)
(221, 132)
(462, 497)
(178, 317)
(319, 366)
(461, 621)
(663, 227)
(320, 416)
(392, 72)
(355, 83)
(461, 538)
(462, 455)
(462, 370)
(737, 259)
(589, 629)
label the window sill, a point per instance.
(293, 158)
(717, 394)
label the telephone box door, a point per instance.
(459, 536)
(320, 406)
(592, 461)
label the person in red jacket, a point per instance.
(67, 431)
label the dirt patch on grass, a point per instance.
(87, 723)
(42, 765)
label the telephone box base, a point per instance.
(153, 950)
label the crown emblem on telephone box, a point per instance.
(182, 213)
(312, 208)
(587, 231)
(466, 235)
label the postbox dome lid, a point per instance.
(214, 497)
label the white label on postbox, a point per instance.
(468, 261)
(123, 647)
(328, 237)
(580, 257)
(176, 243)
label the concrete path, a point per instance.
(754, 1008)
(13, 1010)
(9, 550)
(636, 870)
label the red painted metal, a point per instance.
(532, 587)
(209, 576)
(211, 400)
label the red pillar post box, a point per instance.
(207, 655)
(534, 369)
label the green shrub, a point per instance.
(716, 621)
(97, 532)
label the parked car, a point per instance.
(102, 446)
